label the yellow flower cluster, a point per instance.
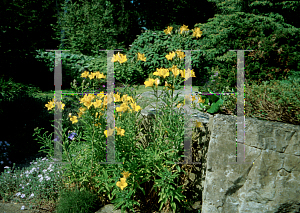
(93, 75)
(164, 72)
(100, 102)
(122, 184)
(196, 33)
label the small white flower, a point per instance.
(23, 195)
(23, 207)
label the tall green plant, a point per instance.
(88, 27)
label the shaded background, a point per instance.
(27, 26)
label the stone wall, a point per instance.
(269, 183)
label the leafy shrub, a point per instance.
(92, 26)
(73, 65)
(278, 57)
(155, 45)
(10, 89)
(275, 44)
(77, 201)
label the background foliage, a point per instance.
(173, 12)
(25, 27)
(93, 25)
(270, 28)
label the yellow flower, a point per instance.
(101, 94)
(122, 184)
(182, 72)
(123, 108)
(110, 98)
(110, 132)
(127, 99)
(92, 76)
(162, 72)
(183, 28)
(180, 54)
(51, 105)
(85, 74)
(197, 32)
(74, 119)
(99, 75)
(120, 131)
(198, 124)
(126, 174)
(86, 100)
(193, 98)
(135, 107)
(120, 58)
(149, 83)
(175, 70)
(97, 103)
(168, 30)
(200, 100)
(170, 56)
(117, 97)
(141, 57)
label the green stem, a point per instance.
(94, 117)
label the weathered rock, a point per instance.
(270, 184)
(109, 209)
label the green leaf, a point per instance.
(215, 107)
